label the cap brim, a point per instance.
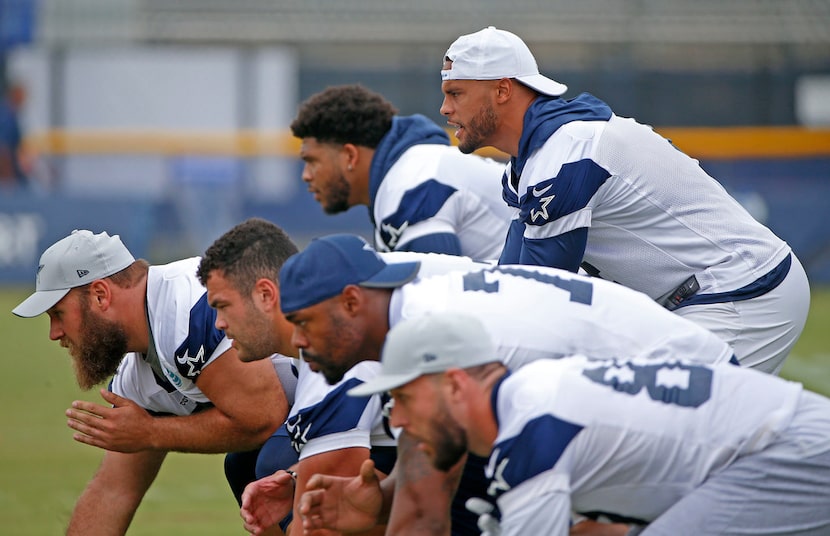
(543, 84)
(39, 302)
(393, 275)
(383, 383)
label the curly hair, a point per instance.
(251, 250)
(345, 114)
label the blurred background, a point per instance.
(166, 121)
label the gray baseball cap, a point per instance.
(78, 259)
(429, 344)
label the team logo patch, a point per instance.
(543, 202)
(82, 273)
(392, 234)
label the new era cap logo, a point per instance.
(39, 268)
(82, 273)
(429, 357)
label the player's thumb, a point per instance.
(113, 398)
(367, 471)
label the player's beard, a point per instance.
(478, 129)
(341, 339)
(336, 198)
(450, 440)
(259, 337)
(100, 350)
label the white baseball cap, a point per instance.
(78, 259)
(429, 344)
(492, 54)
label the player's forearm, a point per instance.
(95, 516)
(210, 432)
(108, 503)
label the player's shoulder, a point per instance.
(436, 263)
(178, 277)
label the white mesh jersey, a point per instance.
(185, 341)
(434, 190)
(622, 438)
(537, 312)
(325, 418)
(654, 216)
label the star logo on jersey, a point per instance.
(394, 233)
(542, 211)
(495, 472)
(298, 434)
(193, 362)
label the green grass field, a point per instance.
(42, 470)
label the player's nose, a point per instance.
(220, 322)
(445, 107)
(306, 174)
(396, 417)
(55, 330)
(298, 340)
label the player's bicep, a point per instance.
(249, 393)
(563, 251)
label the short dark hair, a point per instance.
(251, 250)
(345, 114)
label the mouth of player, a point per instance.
(458, 128)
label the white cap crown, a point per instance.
(493, 54)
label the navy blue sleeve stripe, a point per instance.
(418, 204)
(337, 412)
(201, 341)
(534, 450)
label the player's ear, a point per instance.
(100, 294)
(266, 293)
(351, 299)
(454, 381)
(352, 155)
(503, 90)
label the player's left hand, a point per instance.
(267, 501)
(122, 427)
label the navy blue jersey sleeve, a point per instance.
(564, 251)
(519, 458)
(434, 243)
(418, 204)
(202, 339)
(337, 412)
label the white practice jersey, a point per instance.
(654, 216)
(435, 190)
(535, 312)
(184, 338)
(325, 418)
(625, 439)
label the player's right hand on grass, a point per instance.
(266, 502)
(347, 504)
